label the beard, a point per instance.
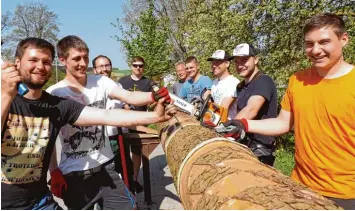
(36, 85)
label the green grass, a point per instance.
(284, 161)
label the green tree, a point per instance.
(147, 37)
(29, 20)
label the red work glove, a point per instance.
(58, 183)
(161, 93)
(241, 127)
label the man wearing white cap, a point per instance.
(257, 99)
(224, 86)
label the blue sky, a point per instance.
(90, 20)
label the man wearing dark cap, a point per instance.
(257, 99)
(223, 88)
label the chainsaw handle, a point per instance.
(202, 109)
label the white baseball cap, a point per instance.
(244, 49)
(219, 55)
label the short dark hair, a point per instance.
(33, 42)
(100, 56)
(191, 59)
(137, 59)
(69, 42)
(325, 20)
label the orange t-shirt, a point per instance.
(324, 124)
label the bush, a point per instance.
(284, 161)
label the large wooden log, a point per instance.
(212, 172)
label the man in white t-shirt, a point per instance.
(223, 88)
(102, 65)
(86, 157)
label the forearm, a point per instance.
(269, 127)
(116, 117)
(139, 98)
(53, 163)
(133, 98)
(5, 106)
(227, 102)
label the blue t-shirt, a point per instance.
(191, 89)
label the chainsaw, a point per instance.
(203, 111)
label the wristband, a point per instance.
(245, 123)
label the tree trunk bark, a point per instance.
(213, 172)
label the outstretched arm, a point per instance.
(124, 118)
(140, 98)
(273, 126)
(132, 98)
(269, 127)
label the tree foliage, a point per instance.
(28, 20)
(147, 37)
(199, 27)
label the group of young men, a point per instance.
(319, 104)
(253, 98)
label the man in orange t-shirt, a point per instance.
(320, 103)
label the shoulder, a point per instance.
(54, 87)
(205, 78)
(303, 74)
(124, 78)
(233, 80)
(264, 79)
(52, 98)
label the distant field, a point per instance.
(116, 73)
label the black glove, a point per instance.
(239, 130)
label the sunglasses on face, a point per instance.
(138, 65)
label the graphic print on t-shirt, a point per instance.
(194, 91)
(22, 149)
(81, 141)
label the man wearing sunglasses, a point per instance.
(136, 82)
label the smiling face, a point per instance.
(324, 48)
(192, 69)
(181, 72)
(76, 63)
(35, 67)
(245, 65)
(103, 66)
(219, 67)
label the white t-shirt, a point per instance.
(225, 88)
(113, 104)
(85, 147)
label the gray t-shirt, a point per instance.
(175, 88)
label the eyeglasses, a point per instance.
(138, 65)
(108, 66)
